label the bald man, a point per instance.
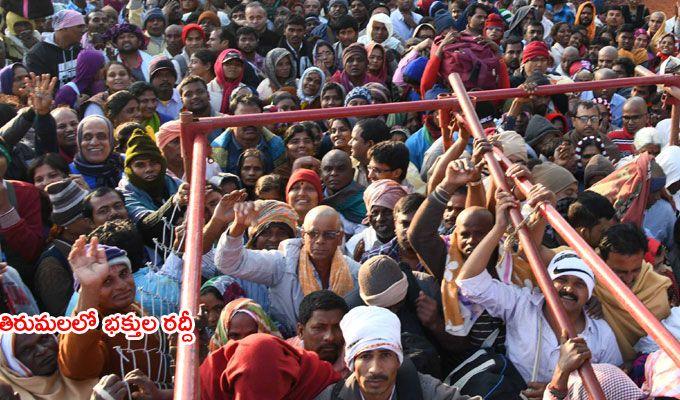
(615, 100)
(472, 225)
(635, 117)
(299, 267)
(341, 191)
(569, 55)
(606, 57)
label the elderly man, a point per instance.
(380, 198)
(530, 327)
(634, 118)
(300, 267)
(57, 54)
(374, 354)
(341, 191)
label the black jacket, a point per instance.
(48, 58)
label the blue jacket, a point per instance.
(226, 151)
(417, 144)
(138, 202)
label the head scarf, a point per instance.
(383, 19)
(535, 49)
(228, 288)
(271, 212)
(645, 136)
(659, 34)
(242, 305)
(29, 386)
(384, 193)
(7, 77)
(589, 141)
(568, 263)
(107, 173)
(381, 76)
(316, 58)
(263, 366)
(210, 16)
(117, 30)
(66, 19)
(354, 49)
(515, 28)
(378, 90)
(358, 92)
(88, 64)
(12, 18)
(305, 99)
(167, 132)
(628, 189)
(306, 175)
(577, 21)
(191, 27)
(274, 57)
(422, 26)
(368, 328)
(227, 86)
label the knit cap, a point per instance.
(598, 165)
(153, 13)
(381, 282)
(343, 3)
(358, 92)
(443, 21)
(552, 176)
(67, 201)
(538, 127)
(141, 145)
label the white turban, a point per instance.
(669, 160)
(646, 136)
(569, 263)
(370, 328)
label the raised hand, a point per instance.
(89, 265)
(458, 173)
(181, 198)
(245, 213)
(40, 89)
(479, 148)
(224, 211)
(504, 202)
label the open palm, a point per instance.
(88, 264)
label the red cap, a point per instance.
(535, 49)
(306, 175)
(494, 20)
(190, 27)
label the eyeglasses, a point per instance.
(326, 235)
(377, 170)
(632, 117)
(585, 119)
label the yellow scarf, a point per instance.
(651, 289)
(660, 33)
(510, 270)
(341, 281)
(637, 55)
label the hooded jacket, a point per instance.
(538, 126)
(48, 58)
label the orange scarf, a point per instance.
(459, 319)
(637, 55)
(341, 281)
(577, 21)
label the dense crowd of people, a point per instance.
(367, 258)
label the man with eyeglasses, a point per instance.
(586, 121)
(635, 117)
(300, 266)
(390, 160)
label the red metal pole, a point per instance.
(532, 254)
(670, 88)
(186, 366)
(604, 274)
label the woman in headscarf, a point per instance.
(275, 222)
(299, 143)
(309, 88)
(377, 62)
(95, 160)
(642, 41)
(28, 363)
(229, 69)
(585, 16)
(376, 33)
(303, 192)
(281, 71)
(122, 107)
(240, 318)
(325, 57)
(12, 86)
(216, 293)
(21, 35)
(87, 80)
(146, 187)
(117, 77)
(656, 27)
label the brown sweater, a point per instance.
(94, 354)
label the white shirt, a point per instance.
(370, 238)
(400, 28)
(172, 107)
(547, 27)
(522, 312)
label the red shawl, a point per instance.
(262, 366)
(628, 189)
(227, 86)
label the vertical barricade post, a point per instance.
(194, 153)
(530, 250)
